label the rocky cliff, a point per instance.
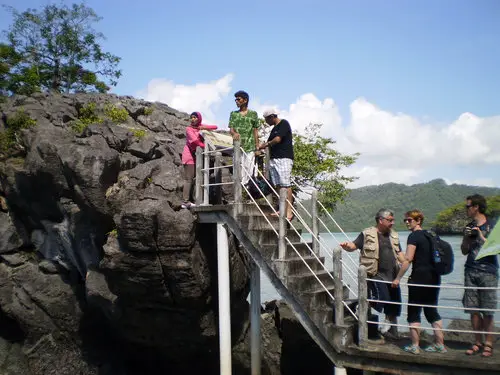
(101, 271)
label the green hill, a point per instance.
(358, 210)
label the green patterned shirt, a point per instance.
(244, 125)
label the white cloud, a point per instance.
(201, 97)
(394, 147)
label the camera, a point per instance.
(470, 232)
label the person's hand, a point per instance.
(236, 136)
(478, 232)
(262, 146)
(257, 153)
(395, 283)
(344, 245)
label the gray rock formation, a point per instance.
(101, 271)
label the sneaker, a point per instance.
(187, 204)
(413, 349)
(376, 340)
(436, 348)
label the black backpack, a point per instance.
(441, 254)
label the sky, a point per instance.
(410, 85)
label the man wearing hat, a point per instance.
(280, 144)
(243, 126)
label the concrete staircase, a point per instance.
(300, 279)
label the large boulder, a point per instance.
(98, 260)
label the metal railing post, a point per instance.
(224, 300)
(255, 339)
(315, 226)
(267, 159)
(237, 177)
(218, 177)
(282, 224)
(339, 288)
(363, 307)
(206, 176)
(198, 193)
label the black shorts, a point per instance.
(385, 292)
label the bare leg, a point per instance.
(488, 326)
(477, 325)
(438, 333)
(415, 333)
(289, 212)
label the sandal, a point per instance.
(474, 349)
(436, 348)
(487, 351)
(413, 349)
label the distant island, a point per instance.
(433, 198)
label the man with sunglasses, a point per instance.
(381, 255)
(479, 273)
(243, 126)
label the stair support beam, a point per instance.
(255, 307)
(224, 300)
(218, 177)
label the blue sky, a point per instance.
(429, 60)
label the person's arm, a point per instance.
(348, 246)
(405, 260)
(208, 127)
(193, 138)
(466, 245)
(234, 133)
(271, 143)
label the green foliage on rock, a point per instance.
(139, 133)
(56, 48)
(317, 164)
(9, 138)
(147, 111)
(87, 115)
(115, 114)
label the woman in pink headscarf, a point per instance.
(193, 140)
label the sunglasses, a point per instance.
(469, 205)
(239, 99)
(408, 220)
(389, 220)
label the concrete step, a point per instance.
(268, 237)
(309, 282)
(320, 298)
(250, 209)
(297, 265)
(270, 251)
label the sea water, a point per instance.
(447, 297)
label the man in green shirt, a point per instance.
(243, 126)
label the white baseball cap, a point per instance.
(271, 111)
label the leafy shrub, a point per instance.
(139, 133)
(116, 114)
(147, 111)
(9, 138)
(87, 115)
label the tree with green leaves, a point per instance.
(318, 165)
(56, 49)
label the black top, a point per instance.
(284, 149)
(488, 264)
(387, 266)
(423, 252)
